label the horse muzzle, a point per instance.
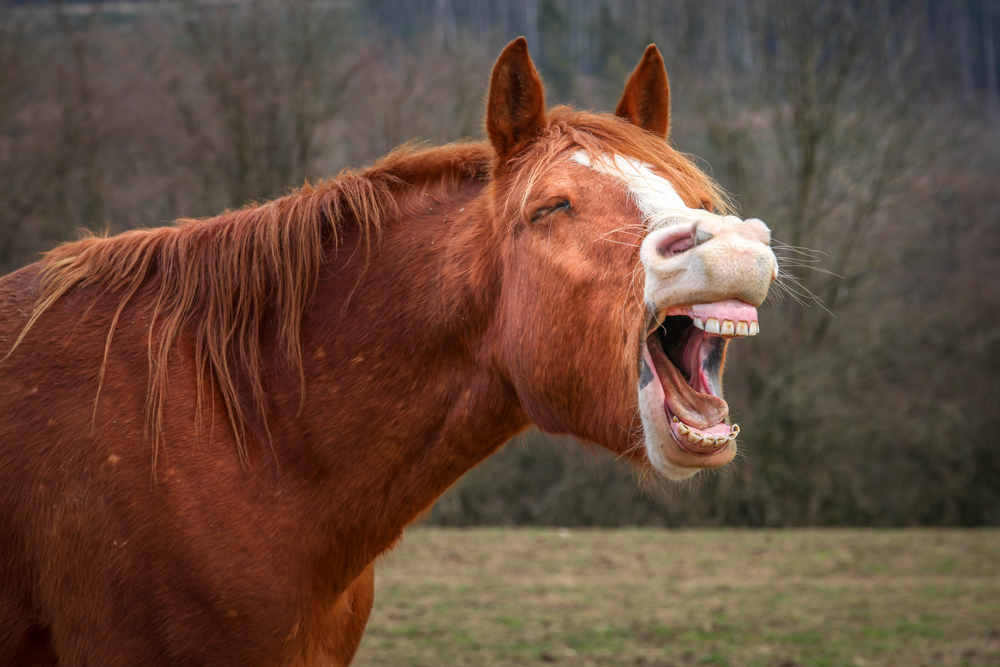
(705, 276)
(693, 256)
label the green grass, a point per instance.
(735, 598)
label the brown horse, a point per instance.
(210, 431)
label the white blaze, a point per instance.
(652, 193)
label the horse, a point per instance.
(210, 431)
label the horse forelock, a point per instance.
(601, 134)
(217, 278)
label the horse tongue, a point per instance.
(690, 406)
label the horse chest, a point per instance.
(332, 630)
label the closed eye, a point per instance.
(550, 207)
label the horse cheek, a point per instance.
(526, 347)
(548, 349)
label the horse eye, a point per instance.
(549, 208)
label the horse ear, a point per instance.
(646, 99)
(515, 109)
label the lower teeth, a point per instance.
(694, 438)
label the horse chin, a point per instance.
(685, 420)
(663, 448)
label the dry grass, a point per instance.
(696, 597)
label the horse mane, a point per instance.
(218, 279)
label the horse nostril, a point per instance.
(676, 247)
(674, 240)
(675, 244)
(701, 236)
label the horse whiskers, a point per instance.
(801, 296)
(809, 252)
(636, 435)
(631, 245)
(626, 333)
(805, 265)
(782, 291)
(626, 229)
(786, 280)
(634, 431)
(639, 301)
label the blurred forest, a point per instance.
(866, 134)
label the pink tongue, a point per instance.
(689, 405)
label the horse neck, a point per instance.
(402, 394)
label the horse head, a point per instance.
(622, 286)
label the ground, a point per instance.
(769, 598)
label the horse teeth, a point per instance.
(695, 438)
(734, 429)
(712, 326)
(742, 329)
(676, 420)
(728, 328)
(754, 328)
(698, 323)
(683, 429)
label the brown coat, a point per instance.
(210, 431)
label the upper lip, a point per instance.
(732, 318)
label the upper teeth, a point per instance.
(727, 327)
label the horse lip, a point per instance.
(690, 460)
(705, 453)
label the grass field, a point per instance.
(774, 598)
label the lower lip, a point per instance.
(670, 416)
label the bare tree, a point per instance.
(268, 79)
(50, 172)
(433, 92)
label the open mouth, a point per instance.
(685, 352)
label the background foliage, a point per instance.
(867, 134)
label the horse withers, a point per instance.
(210, 431)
